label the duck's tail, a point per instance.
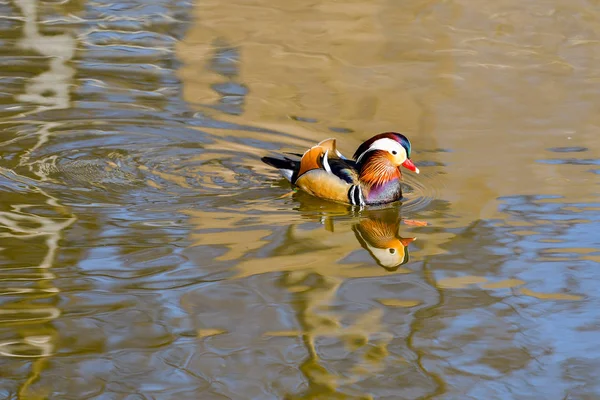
(285, 165)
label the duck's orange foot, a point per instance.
(285, 196)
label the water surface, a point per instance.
(146, 252)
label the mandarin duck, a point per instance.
(372, 177)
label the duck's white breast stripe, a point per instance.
(326, 162)
(351, 194)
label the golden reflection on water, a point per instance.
(488, 95)
(376, 231)
(35, 335)
(482, 98)
(374, 66)
(314, 267)
(49, 89)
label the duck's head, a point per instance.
(389, 146)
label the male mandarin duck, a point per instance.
(373, 177)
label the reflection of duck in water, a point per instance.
(373, 177)
(376, 229)
(379, 236)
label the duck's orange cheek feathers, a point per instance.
(322, 184)
(380, 171)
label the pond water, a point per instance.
(147, 253)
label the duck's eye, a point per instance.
(394, 152)
(392, 251)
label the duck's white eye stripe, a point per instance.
(384, 144)
(326, 162)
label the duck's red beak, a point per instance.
(409, 165)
